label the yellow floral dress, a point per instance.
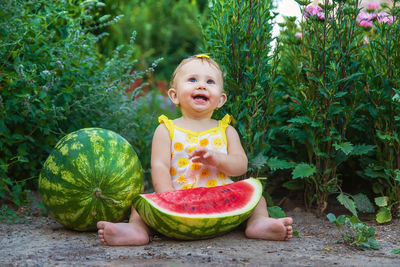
(186, 174)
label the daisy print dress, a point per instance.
(186, 174)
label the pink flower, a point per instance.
(364, 16)
(298, 35)
(384, 17)
(373, 6)
(366, 24)
(321, 15)
(312, 10)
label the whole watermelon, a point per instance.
(92, 174)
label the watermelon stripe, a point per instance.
(82, 162)
(189, 227)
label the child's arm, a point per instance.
(161, 160)
(232, 164)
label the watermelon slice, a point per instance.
(200, 213)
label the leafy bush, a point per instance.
(53, 81)
(166, 29)
(326, 97)
(137, 121)
(238, 36)
(381, 59)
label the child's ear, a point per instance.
(173, 96)
(222, 100)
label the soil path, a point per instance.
(43, 242)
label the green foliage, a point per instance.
(381, 58)
(137, 121)
(166, 29)
(384, 213)
(8, 215)
(363, 204)
(276, 212)
(303, 170)
(238, 36)
(354, 203)
(354, 232)
(320, 70)
(396, 251)
(53, 81)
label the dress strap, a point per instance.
(168, 123)
(224, 122)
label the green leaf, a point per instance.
(104, 18)
(301, 120)
(341, 219)
(303, 170)
(275, 163)
(384, 215)
(381, 201)
(373, 243)
(396, 251)
(259, 161)
(294, 185)
(374, 173)
(345, 147)
(348, 203)
(331, 217)
(276, 212)
(384, 137)
(362, 149)
(363, 203)
(397, 172)
(297, 234)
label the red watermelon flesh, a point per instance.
(200, 213)
(204, 200)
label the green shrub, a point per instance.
(53, 81)
(137, 121)
(166, 29)
(381, 58)
(238, 36)
(325, 97)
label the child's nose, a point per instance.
(201, 85)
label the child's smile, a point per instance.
(200, 98)
(198, 89)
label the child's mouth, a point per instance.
(200, 98)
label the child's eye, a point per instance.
(210, 82)
(192, 80)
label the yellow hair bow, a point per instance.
(202, 55)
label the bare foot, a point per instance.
(121, 234)
(270, 228)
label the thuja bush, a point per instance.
(238, 34)
(53, 81)
(325, 97)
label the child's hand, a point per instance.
(205, 156)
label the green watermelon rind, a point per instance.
(73, 171)
(199, 226)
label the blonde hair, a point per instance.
(203, 58)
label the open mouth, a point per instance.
(200, 98)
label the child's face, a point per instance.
(198, 88)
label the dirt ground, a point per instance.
(43, 242)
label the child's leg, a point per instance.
(261, 226)
(136, 232)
